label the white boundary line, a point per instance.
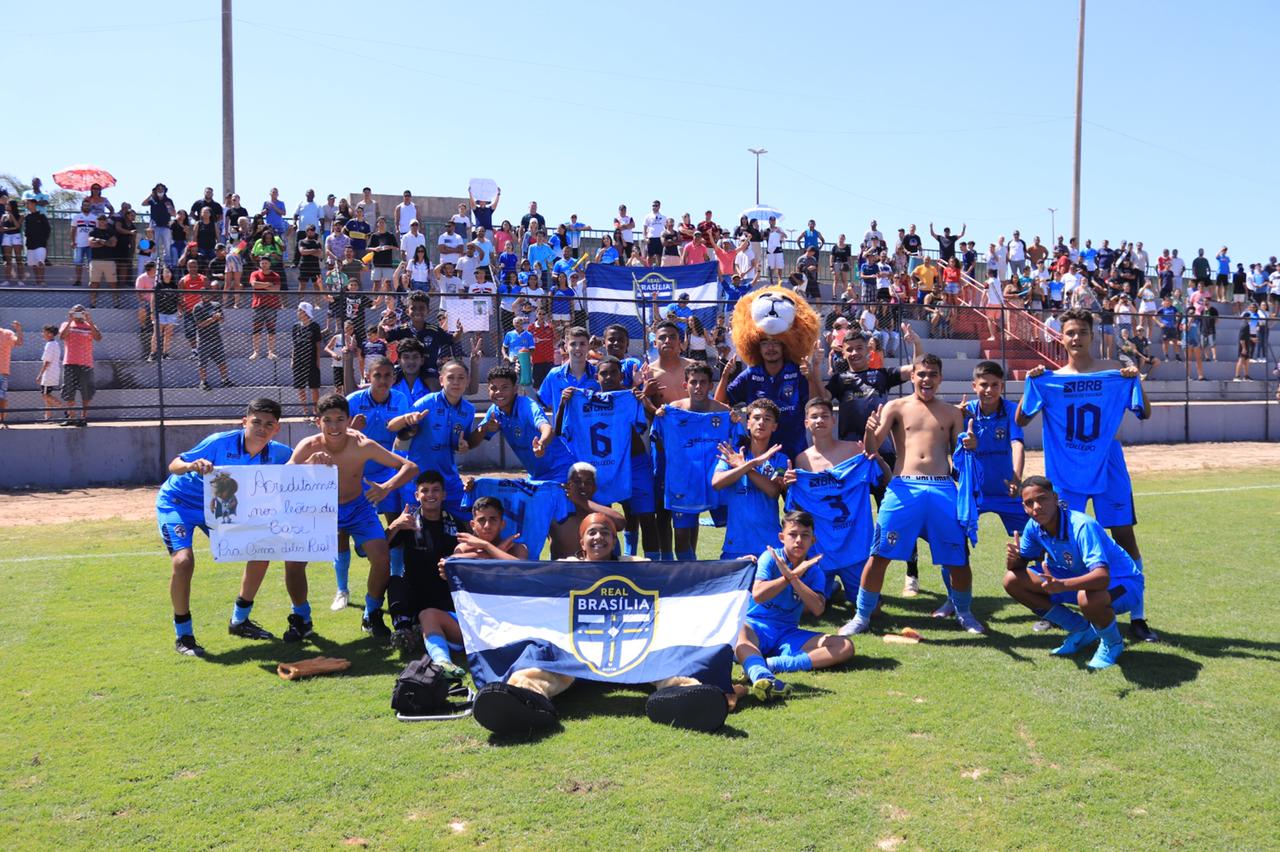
(1204, 490)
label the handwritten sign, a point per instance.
(473, 311)
(483, 189)
(272, 511)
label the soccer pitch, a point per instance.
(112, 740)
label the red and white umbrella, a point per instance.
(81, 177)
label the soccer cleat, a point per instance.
(513, 710)
(1106, 656)
(451, 670)
(970, 623)
(376, 626)
(408, 640)
(910, 586)
(340, 601)
(857, 624)
(1140, 631)
(249, 629)
(299, 630)
(1041, 626)
(770, 687)
(947, 610)
(187, 647)
(695, 708)
(1075, 642)
(253, 356)
(204, 386)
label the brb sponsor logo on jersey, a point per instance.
(1084, 420)
(613, 624)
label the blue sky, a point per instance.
(955, 113)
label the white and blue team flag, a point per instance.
(624, 294)
(620, 622)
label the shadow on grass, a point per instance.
(1223, 646)
(1146, 668)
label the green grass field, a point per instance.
(112, 740)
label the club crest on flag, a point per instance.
(612, 624)
(653, 284)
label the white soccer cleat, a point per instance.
(1041, 626)
(340, 601)
(854, 626)
(970, 623)
(910, 587)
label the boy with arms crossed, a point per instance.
(750, 476)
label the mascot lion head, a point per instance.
(778, 313)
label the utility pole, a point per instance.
(1075, 179)
(758, 152)
(1053, 227)
(228, 106)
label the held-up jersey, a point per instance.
(689, 442)
(529, 507)
(222, 448)
(785, 608)
(376, 416)
(754, 522)
(839, 499)
(1081, 416)
(438, 435)
(520, 428)
(1080, 545)
(996, 433)
(598, 426)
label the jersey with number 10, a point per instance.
(690, 449)
(1082, 413)
(598, 426)
(839, 499)
(529, 507)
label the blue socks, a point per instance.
(1138, 608)
(686, 555)
(867, 602)
(1110, 635)
(371, 605)
(962, 601)
(437, 649)
(946, 580)
(303, 610)
(651, 555)
(342, 569)
(241, 612)
(756, 668)
(1068, 619)
(182, 625)
(630, 540)
(397, 561)
(791, 663)
(668, 556)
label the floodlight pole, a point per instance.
(1075, 180)
(228, 107)
(1053, 227)
(758, 152)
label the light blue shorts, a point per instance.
(358, 519)
(178, 525)
(1126, 594)
(779, 639)
(1008, 509)
(920, 507)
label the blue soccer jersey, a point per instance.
(630, 366)
(785, 608)
(753, 522)
(996, 433)
(560, 378)
(839, 499)
(1080, 546)
(439, 432)
(1081, 416)
(221, 448)
(529, 507)
(788, 389)
(376, 417)
(599, 426)
(689, 447)
(520, 428)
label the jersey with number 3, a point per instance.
(839, 499)
(1082, 413)
(598, 426)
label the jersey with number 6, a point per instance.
(598, 426)
(1082, 413)
(529, 507)
(839, 499)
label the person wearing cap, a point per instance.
(655, 224)
(517, 347)
(411, 239)
(335, 245)
(305, 359)
(522, 702)
(328, 215)
(405, 215)
(102, 263)
(207, 316)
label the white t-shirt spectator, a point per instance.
(84, 223)
(451, 285)
(461, 224)
(410, 241)
(744, 265)
(626, 227)
(1177, 266)
(408, 212)
(450, 241)
(774, 240)
(654, 225)
(51, 364)
(868, 321)
(466, 267)
(1017, 250)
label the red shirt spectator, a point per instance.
(268, 296)
(544, 347)
(77, 341)
(192, 282)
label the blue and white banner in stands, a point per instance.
(620, 622)
(636, 286)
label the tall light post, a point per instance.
(1053, 227)
(758, 152)
(1075, 179)
(228, 107)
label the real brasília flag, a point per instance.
(621, 622)
(624, 294)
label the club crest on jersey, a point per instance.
(612, 623)
(1067, 558)
(715, 421)
(788, 390)
(891, 537)
(1001, 433)
(180, 530)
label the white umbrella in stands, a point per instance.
(762, 212)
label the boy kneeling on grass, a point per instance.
(786, 584)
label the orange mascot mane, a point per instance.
(779, 313)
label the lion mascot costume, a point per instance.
(781, 314)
